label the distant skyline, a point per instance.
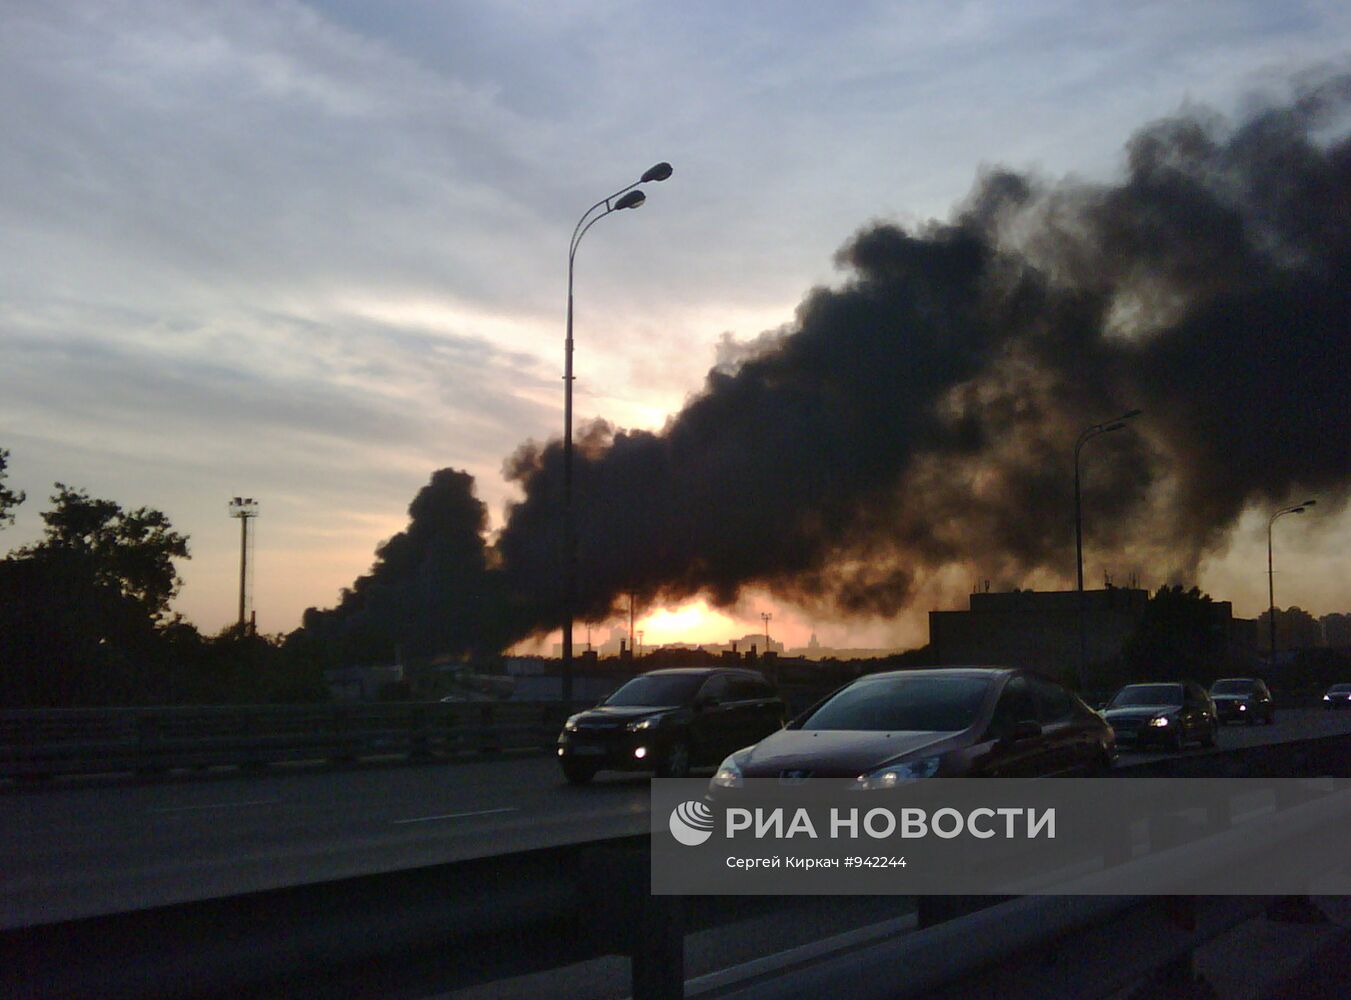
(311, 252)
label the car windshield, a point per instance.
(1233, 687)
(894, 704)
(1148, 694)
(1340, 689)
(657, 689)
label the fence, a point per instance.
(151, 740)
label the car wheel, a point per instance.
(676, 762)
(578, 773)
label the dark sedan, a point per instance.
(1243, 699)
(886, 729)
(669, 721)
(1170, 715)
(1338, 696)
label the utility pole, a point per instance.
(246, 509)
(1297, 508)
(765, 617)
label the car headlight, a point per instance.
(1159, 720)
(1327, 697)
(728, 774)
(897, 774)
(642, 725)
(1242, 706)
(571, 725)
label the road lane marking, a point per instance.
(218, 805)
(479, 812)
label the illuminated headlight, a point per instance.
(1162, 720)
(728, 774)
(897, 774)
(1242, 707)
(639, 753)
(571, 725)
(642, 725)
(1327, 697)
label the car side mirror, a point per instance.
(1024, 730)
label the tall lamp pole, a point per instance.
(246, 509)
(1271, 576)
(1088, 434)
(625, 197)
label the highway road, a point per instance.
(80, 848)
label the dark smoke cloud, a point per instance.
(921, 416)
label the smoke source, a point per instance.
(921, 417)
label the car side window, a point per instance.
(1053, 702)
(743, 689)
(714, 687)
(1015, 705)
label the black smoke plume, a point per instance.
(919, 420)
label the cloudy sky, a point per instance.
(310, 252)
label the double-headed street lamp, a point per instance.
(1297, 508)
(1089, 433)
(626, 197)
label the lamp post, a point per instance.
(1271, 576)
(625, 197)
(1087, 435)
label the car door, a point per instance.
(1068, 746)
(1004, 757)
(758, 711)
(713, 727)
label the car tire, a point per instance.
(675, 762)
(578, 773)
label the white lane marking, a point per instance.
(218, 805)
(480, 812)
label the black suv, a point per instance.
(1243, 699)
(669, 721)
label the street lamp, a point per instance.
(1271, 576)
(1088, 434)
(625, 197)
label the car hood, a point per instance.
(832, 753)
(1139, 711)
(623, 713)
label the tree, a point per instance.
(9, 499)
(1180, 637)
(129, 551)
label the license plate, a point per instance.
(587, 751)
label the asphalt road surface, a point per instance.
(80, 848)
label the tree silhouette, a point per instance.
(9, 499)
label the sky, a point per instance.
(311, 252)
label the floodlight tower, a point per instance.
(246, 509)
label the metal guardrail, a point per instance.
(151, 740)
(447, 926)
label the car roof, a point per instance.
(1250, 680)
(988, 672)
(703, 672)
